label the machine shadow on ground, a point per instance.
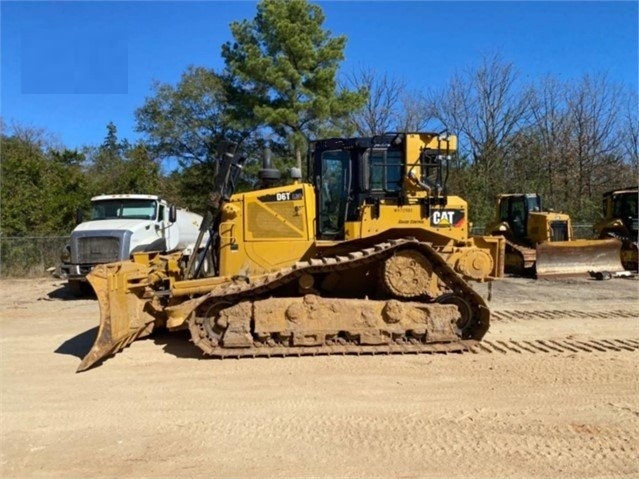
(65, 293)
(78, 345)
(177, 343)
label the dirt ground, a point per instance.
(158, 409)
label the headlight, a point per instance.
(65, 255)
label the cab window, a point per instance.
(625, 206)
(333, 192)
(386, 170)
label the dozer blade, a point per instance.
(578, 257)
(120, 289)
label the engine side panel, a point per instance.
(266, 230)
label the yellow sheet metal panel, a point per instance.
(416, 143)
(276, 213)
(450, 221)
(542, 223)
(265, 257)
(265, 230)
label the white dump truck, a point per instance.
(121, 225)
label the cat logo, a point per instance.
(447, 218)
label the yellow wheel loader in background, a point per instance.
(620, 221)
(541, 242)
(369, 255)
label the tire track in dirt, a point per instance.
(566, 345)
(525, 315)
(442, 440)
(155, 412)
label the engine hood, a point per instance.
(114, 225)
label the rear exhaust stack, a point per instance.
(268, 175)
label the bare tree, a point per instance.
(582, 146)
(391, 106)
(593, 146)
(485, 108)
(629, 137)
(384, 94)
(550, 126)
(414, 113)
(31, 135)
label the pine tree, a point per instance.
(284, 65)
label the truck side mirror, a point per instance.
(172, 214)
(79, 216)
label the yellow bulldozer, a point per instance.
(368, 255)
(541, 243)
(619, 220)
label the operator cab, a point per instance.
(350, 172)
(624, 207)
(515, 209)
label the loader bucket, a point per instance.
(578, 257)
(124, 315)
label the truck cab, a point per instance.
(120, 225)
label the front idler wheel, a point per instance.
(466, 320)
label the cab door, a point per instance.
(333, 183)
(512, 209)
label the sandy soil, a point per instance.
(158, 409)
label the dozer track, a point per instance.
(252, 317)
(527, 255)
(244, 320)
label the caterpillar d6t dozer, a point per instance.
(541, 242)
(620, 221)
(370, 255)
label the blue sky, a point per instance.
(72, 67)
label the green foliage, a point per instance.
(41, 188)
(283, 65)
(184, 125)
(468, 181)
(66, 190)
(118, 167)
(188, 121)
(279, 84)
(194, 183)
(29, 256)
(140, 172)
(22, 185)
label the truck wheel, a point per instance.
(79, 289)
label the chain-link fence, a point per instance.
(29, 256)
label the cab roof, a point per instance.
(133, 196)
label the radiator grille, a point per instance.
(262, 223)
(98, 250)
(559, 231)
